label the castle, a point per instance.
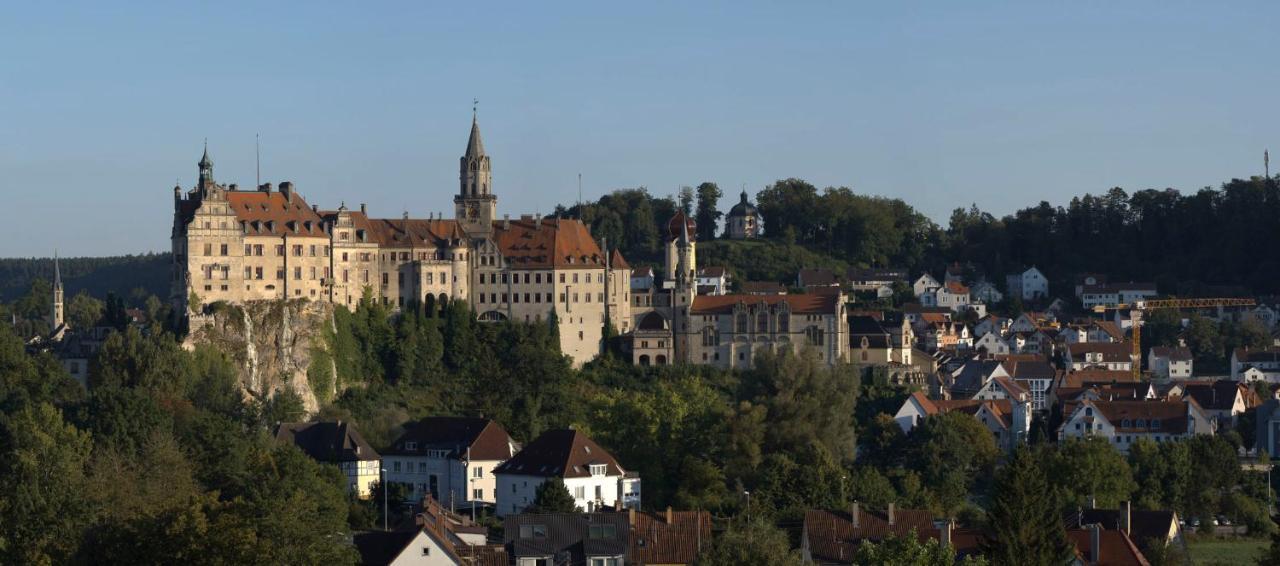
(238, 245)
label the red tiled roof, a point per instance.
(1111, 351)
(547, 243)
(655, 540)
(1115, 548)
(809, 303)
(673, 226)
(274, 213)
(833, 538)
(1171, 414)
(616, 261)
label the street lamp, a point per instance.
(748, 494)
(473, 500)
(384, 497)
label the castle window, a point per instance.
(248, 272)
(548, 297)
(313, 250)
(208, 249)
(279, 274)
(297, 273)
(257, 273)
(248, 249)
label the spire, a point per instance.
(744, 197)
(206, 167)
(475, 147)
(57, 272)
(205, 162)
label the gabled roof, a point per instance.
(274, 213)
(1111, 351)
(956, 288)
(1115, 548)
(816, 276)
(657, 540)
(327, 441)
(832, 536)
(1262, 355)
(1081, 378)
(379, 548)
(616, 261)
(531, 243)
(1172, 415)
(1218, 395)
(1144, 525)
(568, 533)
(1029, 369)
(809, 303)
(1172, 354)
(563, 453)
(486, 439)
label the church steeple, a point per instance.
(58, 310)
(475, 206)
(206, 167)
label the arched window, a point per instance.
(741, 323)
(762, 322)
(644, 359)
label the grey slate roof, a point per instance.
(568, 535)
(327, 441)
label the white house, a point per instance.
(986, 292)
(991, 344)
(1036, 376)
(1124, 422)
(420, 547)
(1265, 361)
(336, 443)
(452, 459)
(1110, 295)
(992, 323)
(1028, 285)
(1008, 420)
(593, 477)
(1169, 363)
(713, 280)
(1116, 356)
(924, 284)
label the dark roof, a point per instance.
(673, 226)
(1020, 369)
(862, 326)
(876, 274)
(818, 276)
(1245, 355)
(1173, 354)
(833, 538)
(1116, 549)
(568, 533)
(1145, 526)
(808, 303)
(564, 453)
(327, 441)
(1172, 415)
(655, 540)
(486, 438)
(743, 208)
(379, 548)
(1213, 395)
(972, 377)
(763, 288)
(1111, 351)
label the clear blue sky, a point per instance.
(104, 105)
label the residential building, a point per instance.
(1029, 285)
(418, 547)
(1223, 400)
(1111, 295)
(985, 292)
(1124, 422)
(832, 537)
(552, 539)
(671, 538)
(713, 280)
(743, 221)
(1169, 363)
(992, 324)
(924, 284)
(238, 246)
(1151, 530)
(991, 343)
(1266, 362)
(879, 280)
(814, 280)
(593, 477)
(337, 443)
(1036, 376)
(1008, 420)
(450, 459)
(1116, 356)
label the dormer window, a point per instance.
(1125, 423)
(598, 469)
(410, 445)
(533, 531)
(1155, 424)
(1142, 423)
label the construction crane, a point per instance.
(1138, 307)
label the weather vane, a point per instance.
(474, 103)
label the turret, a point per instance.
(58, 310)
(475, 205)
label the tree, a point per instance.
(951, 451)
(686, 200)
(1023, 526)
(552, 497)
(43, 510)
(1090, 467)
(707, 216)
(755, 542)
(84, 311)
(909, 551)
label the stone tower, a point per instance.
(475, 206)
(58, 310)
(206, 171)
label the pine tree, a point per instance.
(552, 497)
(1024, 527)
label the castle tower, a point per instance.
(475, 207)
(58, 310)
(681, 247)
(206, 171)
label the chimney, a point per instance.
(265, 187)
(315, 208)
(890, 514)
(1126, 511)
(944, 531)
(363, 210)
(286, 188)
(631, 515)
(1095, 543)
(855, 513)
(506, 221)
(670, 516)
(234, 187)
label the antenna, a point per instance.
(1266, 163)
(579, 194)
(257, 151)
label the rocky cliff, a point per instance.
(277, 345)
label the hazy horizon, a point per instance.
(1001, 105)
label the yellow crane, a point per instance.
(1138, 307)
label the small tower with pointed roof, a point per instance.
(206, 169)
(59, 311)
(743, 220)
(475, 206)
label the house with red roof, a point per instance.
(593, 477)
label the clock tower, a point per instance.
(475, 206)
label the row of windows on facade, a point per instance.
(537, 298)
(816, 336)
(533, 278)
